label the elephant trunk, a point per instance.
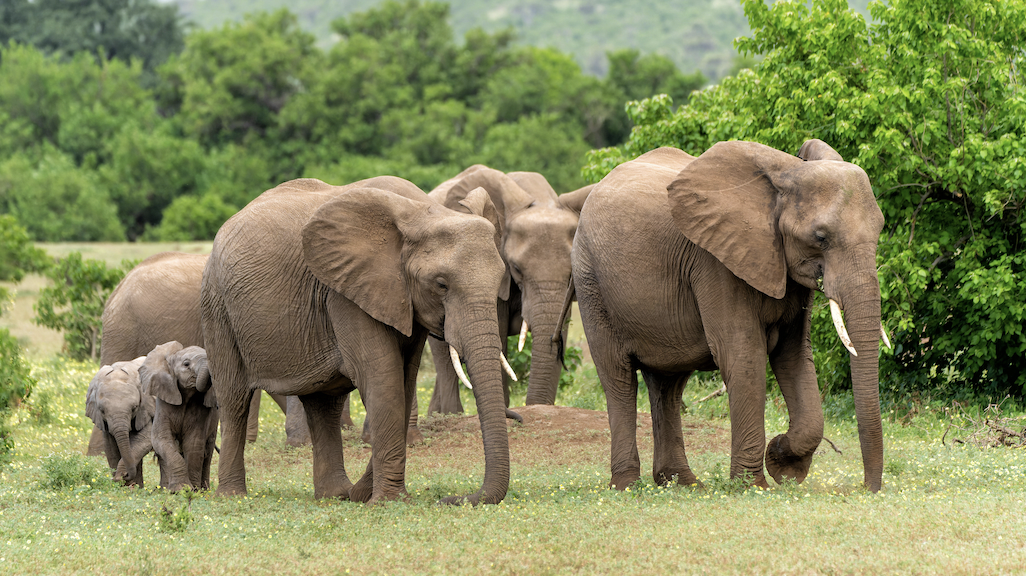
(202, 375)
(120, 433)
(542, 311)
(481, 353)
(862, 317)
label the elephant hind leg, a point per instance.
(670, 459)
(324, 417)
(620, 383)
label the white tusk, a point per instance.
(507, 367)
(842, 332)
(459, 367)
(523, 335)
(883, 332)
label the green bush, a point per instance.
(520, 361)
(191, 218)
(74, 300)
(66, 470)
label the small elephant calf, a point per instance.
(185, 421)
(120, 409)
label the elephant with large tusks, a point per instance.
(683, 264)
(536, 231)
(123, 414)
(316, 290)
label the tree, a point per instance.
(929, 101)
(74, 300)
(144, 30)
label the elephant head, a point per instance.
(174, 374)
(769, 216)
(118, 407)
(536, 235)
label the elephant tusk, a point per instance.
(459, 367)
(842, 332)
(523, 336)
(883, 332)
(507, 367)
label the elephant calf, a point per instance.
(118, 407)
(185, 421)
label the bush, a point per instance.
(73, 303)
(520, 361)
(72, 470)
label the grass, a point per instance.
(944, 509)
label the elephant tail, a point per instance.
(557, 337)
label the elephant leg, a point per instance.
(324, 417)
(388, 410)
(194, 444)
(96, 442)
(789, 455)
(620, 384)
(171, 453)
(297, 432)
(347, 417)
(670, 459)
(746, 393)
(253, 422)
(413, 433)
(413, 356)
(446, 396)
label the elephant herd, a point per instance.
(678, 263)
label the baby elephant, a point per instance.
(117, 405)
(185, 422)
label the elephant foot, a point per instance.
(782, 463)
(347, 422)
(230, 490)
(514, 416)
(623, 480)
(680, 477)
(414, 436)
(362, 490)
(400, 496)
(179, 487)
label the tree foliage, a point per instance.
(930, 101)
(73, 302)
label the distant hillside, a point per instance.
(696, 35)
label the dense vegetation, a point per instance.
(695, 35)
(91, 148)
(930, 101)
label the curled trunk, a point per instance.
(120, 434)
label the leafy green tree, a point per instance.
(74, 300)
(56, 200)
(18, 255)
(929, 101)
(144, 30)
(194, 218)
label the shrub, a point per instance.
(66, 470)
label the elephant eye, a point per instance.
(820, 237)
(441, 283)
(186, 363)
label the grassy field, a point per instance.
(946, 508)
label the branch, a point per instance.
(832, 446)
(719, 392)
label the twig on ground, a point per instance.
(832, 446)
(719, 391)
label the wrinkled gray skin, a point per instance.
(185, 420)
(316, 290)
(124, 415)
(537, 230)
(684, 264)
(159, 301)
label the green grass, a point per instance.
(944, 509)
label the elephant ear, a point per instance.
(574, 201)
(353, 244)
(817, 149)
(156, 376)
(534, 184)
(725, 201)
(143, 413)
(93, 397)
(478, 202)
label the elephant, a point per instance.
(316, 290)
(683, 264)
(185, 419)
(159, 301)
(537, 229)
(124, 415)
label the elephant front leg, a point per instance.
(445, 399)
(324, 417)
(746, 392)
(789, 455)
(670, 460)
(174, 468)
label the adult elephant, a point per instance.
(684, 264)
(536, 234)
(159, 301)
(316, 290)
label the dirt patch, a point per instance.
(556, 435)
